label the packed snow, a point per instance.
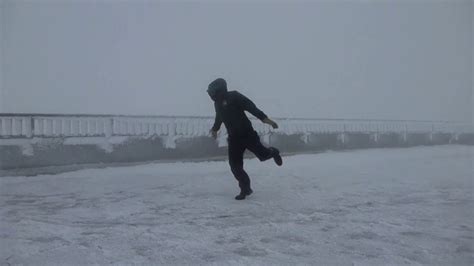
(407, 206)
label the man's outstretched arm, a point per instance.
(250, 107)
(217, 125)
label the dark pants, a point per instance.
(237, 146)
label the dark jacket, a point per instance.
(230, 111)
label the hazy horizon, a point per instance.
(319, 59)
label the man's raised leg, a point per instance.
(263, 153)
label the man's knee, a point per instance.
(261, 158)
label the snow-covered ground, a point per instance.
(367, 207)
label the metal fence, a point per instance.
(49, 125)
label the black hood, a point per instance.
(217, 89)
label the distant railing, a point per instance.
(56, 125)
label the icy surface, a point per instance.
(370, 207)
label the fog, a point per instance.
(340, 59)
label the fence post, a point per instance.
(454, 136)
(431, 133)
(30, 125)
(175, 127)
(405, 134)
(109, 127)
(343, 136)
(8, 127)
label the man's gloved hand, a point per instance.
(270, 122)
(213, 133)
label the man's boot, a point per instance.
(276, 156)
(243, 194)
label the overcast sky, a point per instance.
(339, 59)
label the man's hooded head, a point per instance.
(217, 89)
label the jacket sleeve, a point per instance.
(250, 107)
(217, 122)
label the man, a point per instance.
(230, 107)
